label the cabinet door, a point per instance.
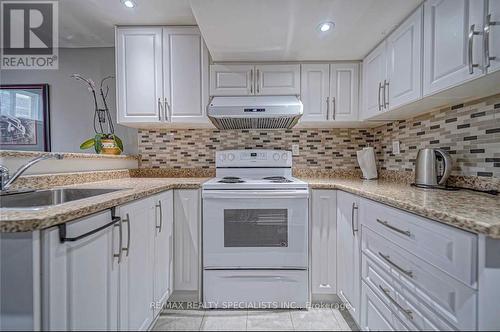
(447, 24)
(493, 9)
(344, 91)
(80, 278)
(187, 266)
(323, 242)
(315, 91)
(277, 79)
(136, 268)
(348, 252)
(185, 67)
(375, 315)
(374, 74)
(404, 62)
(164, 214)
(139, 75)
(231, 80)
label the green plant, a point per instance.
(102, 122)
(96, 142)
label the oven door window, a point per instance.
(256, 228)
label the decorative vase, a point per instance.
(109, 147)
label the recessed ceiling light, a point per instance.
(128, 3)
(326, 26)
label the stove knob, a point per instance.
(230, 157)
(284, 156)
(222, 157)
(276, 156)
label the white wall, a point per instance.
(71, 105)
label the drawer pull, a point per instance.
(408, 313)
(386, 224)
(387, 258)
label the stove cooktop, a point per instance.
(271, 182)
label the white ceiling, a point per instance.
(245, 30)
(90, 23)
(260, 30)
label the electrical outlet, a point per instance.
(395, 147)
(295, 149)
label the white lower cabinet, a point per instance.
(348, 252)
(109, 271)
(375, 315)
(187, 266)
(163, 249)
(80, 277)
(323, 242)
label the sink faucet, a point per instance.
(6, 180)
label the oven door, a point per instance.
(247, 229)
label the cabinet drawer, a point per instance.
(422, 283)
(375, 315)
(266, 289)
(450, 249)
(417, 315)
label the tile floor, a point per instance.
(254, 320)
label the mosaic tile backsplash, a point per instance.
(470, 132)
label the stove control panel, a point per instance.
(253, 158)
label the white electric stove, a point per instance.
(255, 232)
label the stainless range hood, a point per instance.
(255, 112)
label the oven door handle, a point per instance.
(276, 194)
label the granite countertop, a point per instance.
(66, 155)
(474, 212)
(24, 220)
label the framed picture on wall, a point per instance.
(24, 117)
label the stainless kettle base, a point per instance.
(426, 186)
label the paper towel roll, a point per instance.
(366, 160)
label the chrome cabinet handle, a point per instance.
(472, 33)
(258, 81)
(378, 96)
(487, 29)
(160, 109)
(408, 313)
(386, 86)
(386, 224)
(334, 108)
(387, 258)
(251, 81)
(168, 112)
(159, 227)
(327, 107)
(120, 232)
(354, 207)
(127, 221)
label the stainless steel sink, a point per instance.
(49, 197)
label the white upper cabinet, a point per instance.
(323, 242)
(374, 78)
(330, 92)
(453, 52)
(315, 92)
(404, 62)
(185, 67)
(277, 79)
(139, 74)
(392, 71)
(344, 91)
(162, 75)
(231, 80)
(492, 35)
(244, 80)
